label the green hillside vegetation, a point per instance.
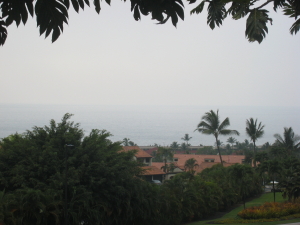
(56, 175)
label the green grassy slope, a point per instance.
(268, 197)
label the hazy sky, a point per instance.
(112, 59)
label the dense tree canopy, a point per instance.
(104, 184)
(51, 15)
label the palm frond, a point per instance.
(224, 124)
(205, 131)
(205, 125)
(279, 138)
(254, 131)
(229, 132)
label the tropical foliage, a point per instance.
(290, 181)
(166, 154)
(273, 169)
(231, 140)
(254, 131)
(51, 16)
(190, 165)
(211, 125)
(104, 184)
(186, 138)
(289, 141)
(174, 146)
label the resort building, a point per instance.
(150, 172)
(154, 170)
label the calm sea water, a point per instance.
(146, 125)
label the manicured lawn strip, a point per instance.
(268, 197)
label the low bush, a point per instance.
(270, 210)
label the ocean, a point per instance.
(147, 125)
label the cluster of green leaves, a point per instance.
(238, 182)
(258, 17)
(211, 125)
(276, 164)
(281, 162)
(104, 184)
(189, 197)
(51, 15)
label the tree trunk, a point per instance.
(274, 187)
(219, 151)
(254, 155)
(244, 202)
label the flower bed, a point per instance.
(239, 220)
(270, 210)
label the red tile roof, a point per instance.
(229, 160)
(150, 151)
(206, 165)
(201, 158)
(158, 164)
(152, 170)
(140, 153)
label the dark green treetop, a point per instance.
(102, 180)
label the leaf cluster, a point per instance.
(52, 15)
(258, 17)
(102, 182)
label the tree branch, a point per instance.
(266, 3)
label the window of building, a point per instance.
(209, 160)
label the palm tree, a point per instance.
(172, 167)
(254, 131)
(165, 168)
(291, 179)
(231, 140)
(186, 138)
(290, 141)
(190, 164)
(273, 168)
(184, 147)
(241, 174)
(220, 143)
(166, 154)
(126, 141)
(174, 145)
(246, 143)
(210, 124)
(131, 143)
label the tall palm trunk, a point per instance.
(219, 151)
(274, 187)
(254, 154)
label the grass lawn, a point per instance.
(268, 197)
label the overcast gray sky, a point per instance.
(112, 59)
